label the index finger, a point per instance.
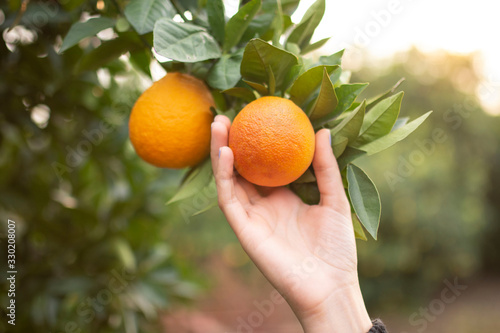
(220, 135)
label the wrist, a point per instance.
(342, 311)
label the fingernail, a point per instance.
(220, 151)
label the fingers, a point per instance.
(220, 135)
(328, 175)
(228, 199)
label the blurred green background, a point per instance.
(99, 251)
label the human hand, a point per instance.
(307, 252)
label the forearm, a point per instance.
(342, 312)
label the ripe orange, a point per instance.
(170, 123)
(272, 141)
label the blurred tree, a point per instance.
(91, 222)
(437, 215)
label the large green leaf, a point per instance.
(307, 83)
(339, 144)
(81, 30)
(259, 56)
(380, 120)
(349, 126)
(260, 88)
(237, 24)
(184, 42)
(198, 178)
(226, 72)
(364, 198)
(326, 102)
(347, 94)
(216, 19)
(246, 94)
(302, 33)
(393, 137)
(143, 14)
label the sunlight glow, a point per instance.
(381, 28)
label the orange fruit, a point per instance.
(272, 141)
(170, 122)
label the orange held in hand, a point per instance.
(170, 122)
(272, 141)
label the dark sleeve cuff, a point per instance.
(378, 327)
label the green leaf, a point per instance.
(293, 48)
(143, 14)
(272, 81)
(81, 30)
(307, 83)
(348, 156)
(260, 88)
(349, 127)
(315, 46)
(245, 94)
(393, 137)
(226, 72)
(216, 19)
(334, 59)
(196, 180)
(380, 120)
(213, 202)
(339, 144)
(359, 233)
(236, 26)
(302, 33)
(374, 100)
(124, 253)
(258, 55)
(184, 42)
(292, 75)
(142, 60)
(326, 102)
(288, 7)
(347, 94)
(365, 199)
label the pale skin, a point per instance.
(307, 252)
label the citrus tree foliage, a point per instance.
(256, 52)
(92, 230)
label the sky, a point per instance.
(384, 27)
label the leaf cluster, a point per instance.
(257, 52)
